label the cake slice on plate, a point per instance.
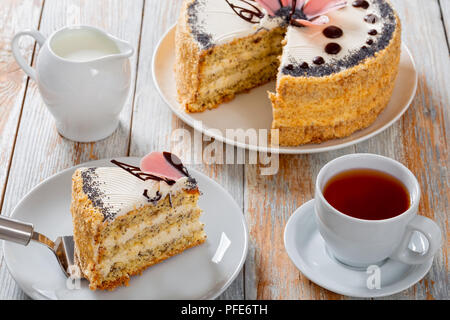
(127, 218)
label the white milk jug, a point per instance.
(83, 75)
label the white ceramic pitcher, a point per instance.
(83, 75)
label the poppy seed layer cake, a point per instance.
(124, 223)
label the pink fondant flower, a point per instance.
(313, 10)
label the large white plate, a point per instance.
(190, 275)
(253, 110)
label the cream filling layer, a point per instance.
(237, 61)
(152, 243)
(135, 230)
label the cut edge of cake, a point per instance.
(197, 91)
(368, 88)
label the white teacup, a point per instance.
(360, 243)
(83, 75)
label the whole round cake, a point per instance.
(335, 61)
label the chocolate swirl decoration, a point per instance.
(176, 163)
(249, 15)
(154, 200)
(138, 173)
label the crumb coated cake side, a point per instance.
(119, 232)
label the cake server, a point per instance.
(22, 232)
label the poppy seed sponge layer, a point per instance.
(123, 225)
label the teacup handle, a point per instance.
(16, 50)
(430, 230)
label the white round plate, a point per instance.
(306, 248)
(189, 275)
(240, 112)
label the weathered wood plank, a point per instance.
(14, 16)
(40, 151)
(154, 124)
(269, 201)
(420, 138)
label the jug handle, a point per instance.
(16, 50)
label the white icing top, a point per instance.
(304, 44)
(119, 191)
(217, 18)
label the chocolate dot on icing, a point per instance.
(290, 67)
(360, 4)
(304, 65)
(332, 48)
(371, 18)
(332, 32)
(318, 60)
(373, 32)
(369, 42)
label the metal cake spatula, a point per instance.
(22, 232)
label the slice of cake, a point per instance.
(127, 218)
(338, 60)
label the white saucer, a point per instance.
(240, 112)
(202, 272)
(308, 252)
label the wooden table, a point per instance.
(31, 149)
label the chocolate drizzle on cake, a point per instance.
(360, 4)
(332, 32)
(93, 184)
(172, 159)
(175, 162)
(153, 200)
(136, 171)
(253, 15)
